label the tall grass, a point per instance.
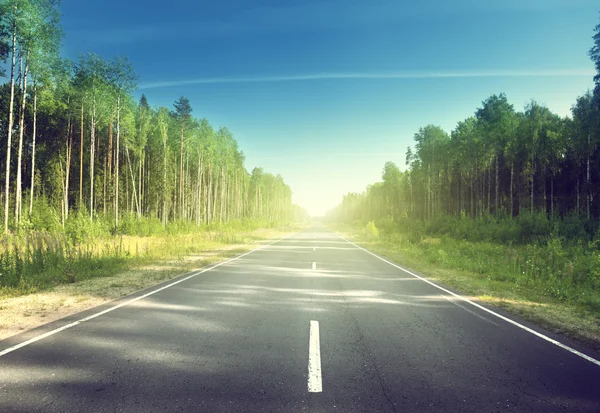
(558, 258)
(37, 260)
(32, 259)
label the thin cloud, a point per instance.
(329, 155)
(341, 76)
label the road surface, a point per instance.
(309, 323)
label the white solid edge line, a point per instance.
(315, 384)
(508, 320)
(314, 265)
(108, 310)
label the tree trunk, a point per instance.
(532, 184)
(10, 120)
(110, 146)
(62, 183)
(104, 184)
(489, 190)
(577, 194)
(68, 168)
(140, 183)
(458, 194)
(497, 187)
(185, 182)
(164, 195)
(181, 173)
(139, 212)
(512, 203)
(33, 148)
(199, 189)
(544, 180)
(411, 194)
(552, 196)
(473, 211)
(429, 207)
(117, 162)
(81, 160)
(215, 195)
(223, 192)
(587, 184)
(209, 194)
(19, 187)
(92, 158)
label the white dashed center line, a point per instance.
(315, 384)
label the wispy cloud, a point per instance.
(372, 75)
(310, 156)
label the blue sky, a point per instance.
(325, 92)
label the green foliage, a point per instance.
(594, 54)
(130, 224)
(135, 163)
(524, 229)
(371, 230)
(79, 228)
(522, 253)
(43, 217)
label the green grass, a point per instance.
(551, 282)
(32, 261)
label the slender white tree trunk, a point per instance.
(117, 161)
(164, 195)
(19, 187)
(81, 158)
(68, 169)
(532, 183)
(92, 157)
(10, 123)
(497, 187)
(588, 191)
(511, 190)
(33, 148)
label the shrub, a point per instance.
(571, 227)
(79, 228)
(371, 230)
(533, 226)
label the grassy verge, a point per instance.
(496, 274)
(107, 269)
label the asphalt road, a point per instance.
(238, 338)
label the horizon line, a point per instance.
(366, 75)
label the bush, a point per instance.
(79, 228)
(43, 217)
(571, 227)
(130, 224)
(371, 230)
(533, 226)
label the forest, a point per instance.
(511, 195)
(83, 160)
(76, 140)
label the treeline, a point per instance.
(83, 144)
(499, 162)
